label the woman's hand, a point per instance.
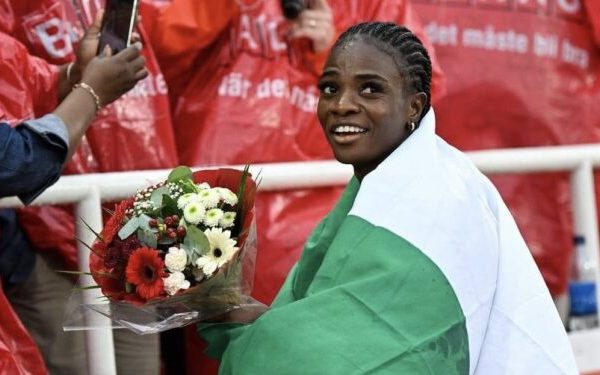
(109, 77)
(246, 314)
(112, 76)
(70, 73)
(88, 47)
(316, 24)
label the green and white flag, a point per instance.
(419, 269)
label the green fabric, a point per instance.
(360, 300)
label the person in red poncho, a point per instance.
(133, 133)
(242, 82)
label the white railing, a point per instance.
(87, 191)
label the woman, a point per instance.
(419, 269)
(243, 81)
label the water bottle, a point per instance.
(582, 288)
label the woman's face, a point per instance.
(363, 107)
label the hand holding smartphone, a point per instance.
(117, 24)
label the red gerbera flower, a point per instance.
(116, 220)
(145, 269)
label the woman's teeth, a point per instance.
(348, 129)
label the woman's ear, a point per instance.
(416, 106)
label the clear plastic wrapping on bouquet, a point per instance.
(229, 289)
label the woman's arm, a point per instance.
(32, 155)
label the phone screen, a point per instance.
(117, 24)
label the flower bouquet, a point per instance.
(177, 252)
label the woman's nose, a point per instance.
(345, 104)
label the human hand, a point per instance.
(245, 314)
(112, 76)
(88, 47)
(316, 24)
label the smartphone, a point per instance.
(117, 24)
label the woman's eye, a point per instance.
(327, 88)
(370, 88)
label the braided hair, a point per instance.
(403, 46)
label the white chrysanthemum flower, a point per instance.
(175, 282)
(185, 199)
(228, 196)
(176, 259)
(227, 220)
(194, 212)
(203, 186)
(213, 216)
(209, 198)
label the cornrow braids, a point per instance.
(403, 46)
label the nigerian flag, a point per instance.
(419, 269)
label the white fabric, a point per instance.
(432, 195)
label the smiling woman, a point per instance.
(369, 101)
(419, 269)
